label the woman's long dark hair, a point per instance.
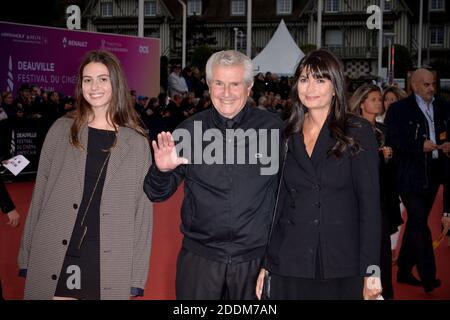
(324, 64)
(121, 112)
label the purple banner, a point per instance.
(49, 57)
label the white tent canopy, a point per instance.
(281, 55)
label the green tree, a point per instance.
(442, 67)
(200, 56)
(198, 34)
(308, 47)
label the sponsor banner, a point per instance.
(49, 57)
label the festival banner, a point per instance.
(50, 57)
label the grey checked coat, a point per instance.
(125, 214)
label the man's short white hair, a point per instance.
(230, 58)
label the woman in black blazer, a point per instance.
(367, 101)
(325, 242)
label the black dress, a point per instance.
(80, 274)
(390, 212)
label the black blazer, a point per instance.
(446, 164)
(407, 131)
(334, 202)
(390, 202)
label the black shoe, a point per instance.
(430, 286)
(409, 279)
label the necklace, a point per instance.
(90, 200)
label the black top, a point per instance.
(84, 249)
(6, 204)
(227, 208)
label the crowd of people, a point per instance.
(33, 102)
(184, 92)
(319, 228)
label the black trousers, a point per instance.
(199, 278)
(417, 244)
(292, 288)
(386, 259)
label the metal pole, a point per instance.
(141, 19)
(183, 45)
(249, 28)
(235, 38)
(380, 41)
(319, 24)
(393, 64)
(390, 62)
(389, 57)
(419, 37)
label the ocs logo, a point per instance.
(144, 49)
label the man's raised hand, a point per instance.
(165, 153)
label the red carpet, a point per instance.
(166, 243)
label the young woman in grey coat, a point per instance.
(89, 228)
